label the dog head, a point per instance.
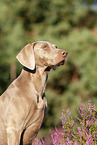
(41, 53)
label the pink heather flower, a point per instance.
(78, 119)
(89, 122)
(79, 131)
(96, 122)
(83, 110)
(73, 122)
(38, 142)
(91, 106)
(76, 143)
(57, 137)
(86, 133)
(89, 141)
(69, 142)
(63, 119)
(68, 112)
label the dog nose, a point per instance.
(64, 53)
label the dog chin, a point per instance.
(54, 67)
(60, 63)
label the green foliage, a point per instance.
(72, 26)
(75, 81)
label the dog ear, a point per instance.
(26, 56)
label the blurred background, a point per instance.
(72, 26)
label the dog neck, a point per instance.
(38, 78)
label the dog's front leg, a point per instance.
(12, 136)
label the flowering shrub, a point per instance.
(38, 142)
(83, 133)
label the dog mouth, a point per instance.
(54, 66)
(60, 63)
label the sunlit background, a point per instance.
(72, 26)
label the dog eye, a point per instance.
(45, 46)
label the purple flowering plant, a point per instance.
(38, 142)
(71, 133)
(78, 134)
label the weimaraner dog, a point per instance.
(23, 106)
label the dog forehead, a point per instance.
(39, 44)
